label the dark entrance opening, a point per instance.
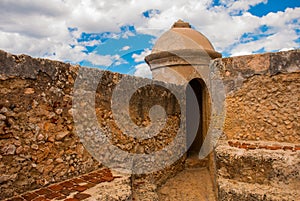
(197, 115)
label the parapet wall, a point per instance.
(262, 96)
(39, 144)
(257, 158)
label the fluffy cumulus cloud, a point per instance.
(140, 57)
(143, 70)
(125, 48)
(56, 29)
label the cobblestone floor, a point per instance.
(94, 186)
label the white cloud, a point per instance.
(281, 19)
(125, 48)
(120, 61)
(127, 33)
(90, 43)
(40, 28)
(99, 59)
(285, 49)
(143, 70)
(140, 57)
(281, 32)
(224, 30)
(243, 5)
(268, 43)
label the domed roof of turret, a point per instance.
(182, 37)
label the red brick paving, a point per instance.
(62, 191)
(67, 184)
(79, 188)
(78, 180)
(41, 199)
(53, 195)
(89, 185)
(82, 196)
(94, 174)
(71, 199)
(254, 145)
(287, 148)
(43, 191)
(96, 181)
(65, 192)
(61, 197)
(30, 196)
(86, 177)
(107, 178)
(56, 187)
(16, 199)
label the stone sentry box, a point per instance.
(182, 56)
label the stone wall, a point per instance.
(257, 157)
(39, 142)
(263, 96)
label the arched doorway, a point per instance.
(197, 115)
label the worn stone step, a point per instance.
(229, 190)
(262, 166)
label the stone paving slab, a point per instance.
(189, 185)
(99, 185)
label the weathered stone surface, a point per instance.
(261, 126)
(29, 91)
(230, 190)
(265, 108)
(38, 138)
(5, 178)
(39, 144)
(260, 172)
(236, 70)
(263, 92)
(190, 184)
(2, 117)
(9, 150)
(34, 123)
(25, 67)
(61, 135)
(285, 62)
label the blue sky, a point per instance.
(273, 6)
(117, 35)
(125, 47)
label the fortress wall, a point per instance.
(38, 140)
(39, 144)
(257, 158)
(263, 93)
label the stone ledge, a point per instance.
(233, 190)
(259, 64)
(27, 67)
(180, 57)
(234, 71)
(273, 167)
